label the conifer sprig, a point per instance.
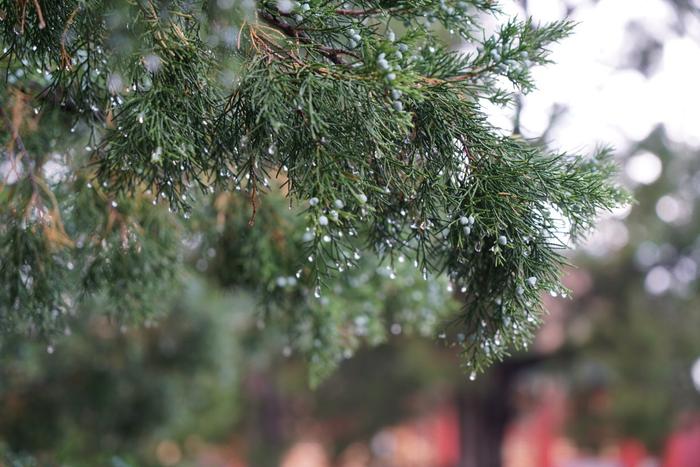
(361, 112)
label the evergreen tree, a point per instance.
(142, 138)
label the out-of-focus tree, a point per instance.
(111, 391)
(638, 322)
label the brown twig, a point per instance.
(370, 12)
(65, 56)
(39, 14)
(294, 33)
(13, 128)
(253, 199)
(54, 230)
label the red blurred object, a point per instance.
(446, 435)
(683, 445)
(632, 453)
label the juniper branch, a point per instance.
(375, 136)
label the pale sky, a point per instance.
(606, 103)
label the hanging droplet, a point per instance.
(472, 376)
(317, 291)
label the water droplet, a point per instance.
(472, 376)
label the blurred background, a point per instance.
(612, 380)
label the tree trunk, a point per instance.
(485, 411)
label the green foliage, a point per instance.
(109, 391)
(363, 305)
(80, 247)
(372, 127)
